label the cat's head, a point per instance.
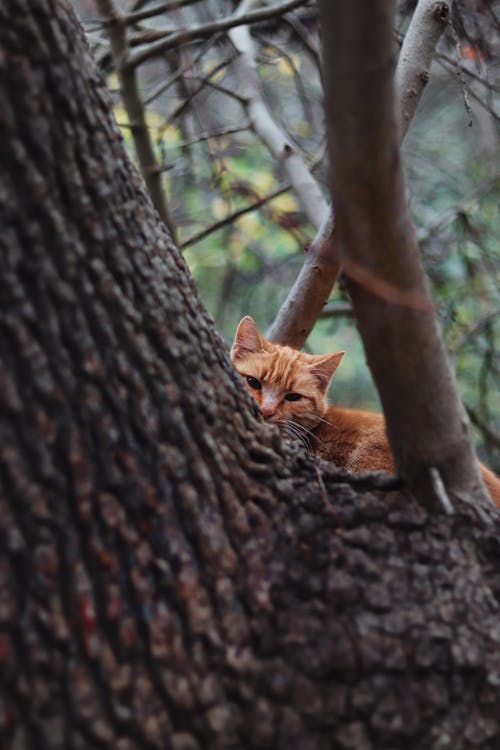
(289, 386)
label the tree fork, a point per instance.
(304, 303)
(426, 422)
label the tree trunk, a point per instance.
(172, 575)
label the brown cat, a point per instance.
(290, 388)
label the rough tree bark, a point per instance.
(171, 574)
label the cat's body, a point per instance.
(354, 439)
(290, 388)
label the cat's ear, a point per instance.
(323, 367)
(248, 339)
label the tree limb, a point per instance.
(135, 111)
(203, 30)
(413, 70)
(313, 286)
(233, 216)
(309, 294)
(293, 166)
(426, 422)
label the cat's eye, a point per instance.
(254, 383)
(293, 396)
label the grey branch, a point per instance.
(233, 216)
(309, 294)
(426, 422)
(283, 150)
(315, 281)
(134, 107)
(413, 70)
(203, 30)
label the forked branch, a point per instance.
(426, 422)
(283, 150)
(315, 281)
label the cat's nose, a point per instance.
(268, 410)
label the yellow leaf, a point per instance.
(263, 180)
(121, 115)
(153, 119)
(285, 203)
(219, 209)
(284, 67)
(170, 134)
(249, 224)
(113, 81)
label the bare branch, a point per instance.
(426, 422)
(233, 216)
(313, 286)
(467, 91)
(305, 186)
(310, 292)
(135, 111)
(142, 15)
(299, 83)
(454, 63)
(215, 134)
(206, 81)
(201, 31)
(460, 208)
(202, 82)
(165, 85)
(413, 70)
(305, 37)
(337, 310)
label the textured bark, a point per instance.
(427, 424)
(171, 574)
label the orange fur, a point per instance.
(351, 438)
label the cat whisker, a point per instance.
(297, 430)
(294, 430)
(309, 432)
(322, 419)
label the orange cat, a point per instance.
(290, 388)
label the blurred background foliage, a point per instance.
(215, 167)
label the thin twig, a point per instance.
(201, 31)
(142, 15)
(440, 491)
(164, 86)
(336, 310)
(323, 492)
(214, 134)
(292, 163)
(135, 111)
(232, 217)
(315, 281)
